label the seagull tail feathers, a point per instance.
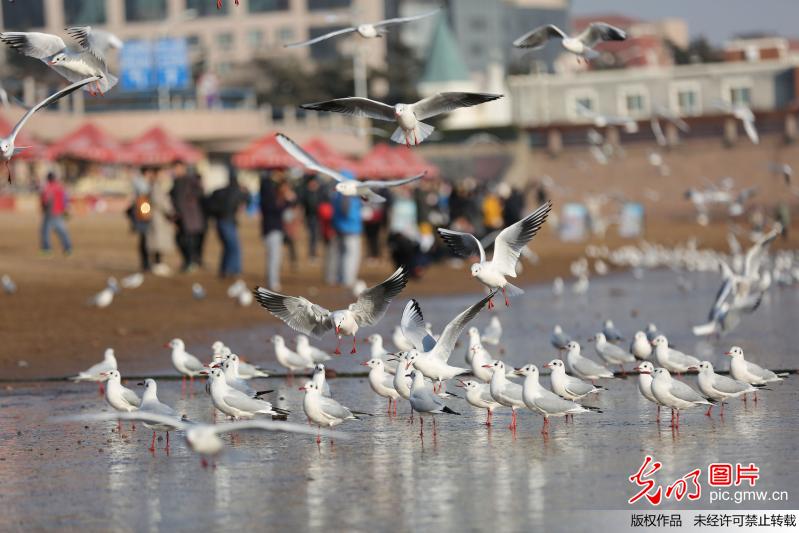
(513, 290)
(705, 329)
(419, 134)
(449, 411)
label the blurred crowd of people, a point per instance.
(339, 230)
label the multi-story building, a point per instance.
(222, 36)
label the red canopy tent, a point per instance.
(264, 153)
(385, 162)
(89, 143)
(157, 147)
(36, 150)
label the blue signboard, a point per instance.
(172, 63)
(136, 66)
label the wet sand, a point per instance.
(388, 478)
(48, 328)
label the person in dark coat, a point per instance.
(275, 197)
(224, 204)
(187, 198)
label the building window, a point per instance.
(23, 15)
(285, 35)
(224, 41)
(193, 41)
(81, 12)
(317, 5)
(633, 101)
(580, 103)
(741, 96)
(262, 6)
(145, 10)
(686, 98)
(255, 38)
(207, 9)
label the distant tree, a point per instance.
(699, 50)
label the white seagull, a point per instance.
(749, 372)
(645, 371)
(559, 339)
(105, 297)
(306, 317)
(671, 359)
(718, 387)
(288, 358)
(675, 394)
(582, 45)
(307, 351)
(235, 403)
(479, 395)
(409, 117)
(7, 147)
(745, 115)
(75, 65)
(583, 367)
(400, 342)
(323, 411)
(367, 31)
(95, 372)
(493, 332)
(184, 362)
(566, 386)
(640, 346)
(375, 341)
(612, 354)
(425, 401)
(381, 382)
(505, 392)
(507, 249)
(544, 402)
(151, 404)
(344, 184)
(118, 396)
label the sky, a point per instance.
(717, 20)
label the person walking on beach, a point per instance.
(224, 204)
(348, 224)
(275, 197)
(160, 234)
(140, 213)
(54, 208)
(187, 196)
(312, 196)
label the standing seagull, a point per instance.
(566, 386)
(407, 116)
(718, 387)
(321, 410)
(493, 332)
(74, 65)
(479, 395)
(581, 45)
(151, 404)
(344, 185)
(612, 354)
(306, 317)
(749, 372)
(184, 362)
(583, 367)
(675, 394)
(119, 396)
(424, 400)
(7, 148)
(645, 371)
(507, 249)
(367, 31)
(95, 372)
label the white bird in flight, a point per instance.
(409, 117)
(344, 185)
(74, 65)
(507, 249)
(7, 148)
(745, 115)
(311, 319)
(582, 44)
(367, 31)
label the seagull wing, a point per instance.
(539, 36)
(332, 408)
(413, 327)
(393, 183)
(728, 385)
(446, 342)
(686, 392)
(137, 416)
(508, 244)
(599, 31)
(321, 37)
(657, 131)
(306, 159)
(355, 106)
(33, 44)
(462, 244)
(755, 253)
(270, 425)
(402, 20)
(49, 100)
(577, 386)
(751, 130)
(242, 402)
(297, 312)
(371, 305)
(88, 40)
(446, 102)
(131, 397)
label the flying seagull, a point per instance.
(344, 185)
(745, 115)
(74, 65)
(507, 249)
(367, 31)
(407, 116)
(311, 319)
(7, 148)
(581, 45)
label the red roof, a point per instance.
(89, 143)
(36, 150)
(264, 153)
(386, 162)
(157, 147)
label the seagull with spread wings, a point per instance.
(581, 45)
(309, 318)
(408, 117)
(74, 65)
(743, 113)
(344, 185)
(7, 148)
(367, 31)
(507, 249)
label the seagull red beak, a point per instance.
(301, 388)
(460, 384)
(365, 363)
(407, 365)
(488, 366)
(728, 353)
(547, 365)
(166, 345)
(693, 368)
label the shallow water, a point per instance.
(388, 478)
